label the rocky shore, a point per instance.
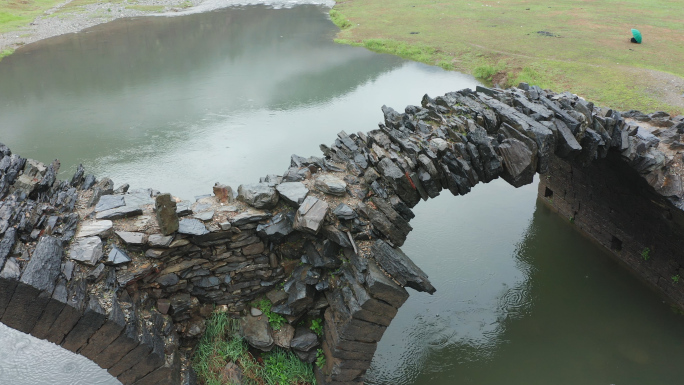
(129, 277)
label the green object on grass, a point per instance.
(637, 35)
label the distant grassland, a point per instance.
(584, 46)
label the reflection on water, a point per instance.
(26, 360)
(180, 103)
(523, 298)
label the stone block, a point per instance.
(91, 321)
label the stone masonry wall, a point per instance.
(127, 278)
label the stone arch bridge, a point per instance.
(127, 278)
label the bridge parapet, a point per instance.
(127, 278)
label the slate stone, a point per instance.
(342, 211)
(87, 250)
(383, 288)
(310, 215)
(119, 212)
(168, 279)
(92, 319)
(204, 216)
(304, 340)
(132, 238)
(399, 181)
(117, 257)
(159, 240)
(518, 162)
(108, 202)
(336, 235)
(107, 334)
(257, 332)
(277, 228)
(96, 273)
(329, 184)
(99, 228)
(6, 245)
(165, 211)
(258, 195)
(293, 193)
(283, 336)
(400, 267)
(192, 227)
(249, 216)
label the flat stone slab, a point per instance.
(87, 250)
(258, 195)
(310, 215)
(119, 212)
(192, 226)
(131, 238)
(100, 228)
(117, 257)
(293, 193)
(343, 211)
(329, 184)
(204, 216)
(250, 216)
(159, 240)
(108, 202)
(138, 198)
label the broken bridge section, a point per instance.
(128, 278)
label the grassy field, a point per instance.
(577, 45)
(17, 14)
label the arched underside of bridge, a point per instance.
(127, 278)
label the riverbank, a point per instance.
(23, 23)
(579, 46)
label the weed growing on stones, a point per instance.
(275, 320)
(646, 253)
(317, 327)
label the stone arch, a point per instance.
(127, 278)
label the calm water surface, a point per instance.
(180, 103)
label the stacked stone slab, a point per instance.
(127, 278)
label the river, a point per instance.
(179, 103)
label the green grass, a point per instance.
(284, 368)
(222, 343)
(274, 319)
(339, 20)
(591, 56)
(5, 53)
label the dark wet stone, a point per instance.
(168, 280)
(400, 267)
(342, 211)
(293, 193)
(304, 340)
(117, 257)
(108, 202)
(165, 211)
(192, 227)
(96, 273)
(277, 227)
(119, 212)
(310, 215)
(250, 216)
(257, 332)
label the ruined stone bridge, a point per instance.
(127, 278)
